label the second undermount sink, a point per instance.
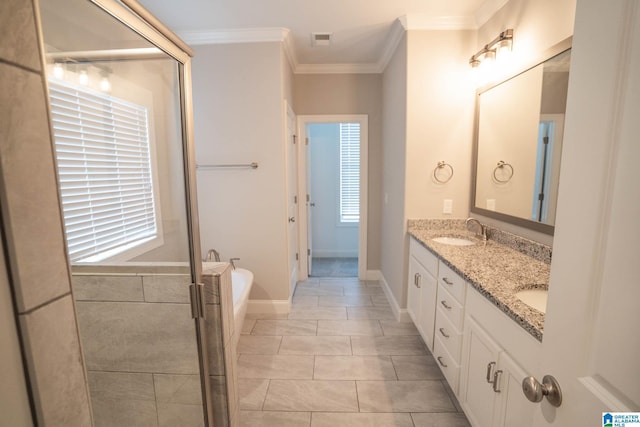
(535, 298)
(454, 241)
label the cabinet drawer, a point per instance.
(424, 257)
(451, 282)
(451, 308)
(448, 366)
(449, 335)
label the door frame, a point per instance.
(303, 121)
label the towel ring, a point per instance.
(502, 165)
(442, 165)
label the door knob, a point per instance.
(534, 391)
(313, 205)
(292, 219)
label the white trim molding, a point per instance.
(243, 35)
(401, 314)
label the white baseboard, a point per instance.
(373, 275)
(269, 306)
(401, 314)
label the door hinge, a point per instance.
(308, 198)
(306, 141)
(295, 200)
(196, 290)
(294, 138)
(296, 256)
(545, 140)
(308, 252)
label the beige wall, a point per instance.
(393, 251)
(330, 94)
(32, 227)
(428, 118)
(239, 116)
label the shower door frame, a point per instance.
(139, 20)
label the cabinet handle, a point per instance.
(439, 358)
(445, 305)
(418, 277)
(496, 376)
(489, 369)
(443, 333)
(447, 281)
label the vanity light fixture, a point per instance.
(496, 47)
(83, 78)
(105, 84)
(58, 71)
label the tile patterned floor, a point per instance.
(334, 267)
(340, 359)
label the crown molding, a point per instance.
(337, 69)
(399, 27)
(245, 35)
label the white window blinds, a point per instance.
(102, 150)
(349, 172)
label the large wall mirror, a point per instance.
(518, 143)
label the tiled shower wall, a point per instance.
(139, 342)
(31, 223)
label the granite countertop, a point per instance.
(498, 269)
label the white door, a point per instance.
(292, 196)
(591, 340)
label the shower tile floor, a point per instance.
(340, 359)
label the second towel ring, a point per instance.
(442, 165)
(502, 165)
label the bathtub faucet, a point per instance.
(213, 255)
(233, 265)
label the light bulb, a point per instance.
(58, 71)
(84, 78)
(105, 85)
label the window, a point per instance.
(104, 166)
(349, 172)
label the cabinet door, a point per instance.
(427, 321)
(413, 292)
(480, 359)
(514, 409)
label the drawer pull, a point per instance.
(447, 281)
(489, 369)
(444, 334)
(445, 305)
(444, 365)
(495, 381)
(416, 280)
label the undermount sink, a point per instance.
(454, 241)
(535, 298)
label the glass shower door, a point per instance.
(118, 125)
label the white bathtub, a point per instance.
(241, 281)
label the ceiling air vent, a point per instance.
(320, 39)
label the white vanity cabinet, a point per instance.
(421, 295)
(490, 385)
(450, 304)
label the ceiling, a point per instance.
(362, 31)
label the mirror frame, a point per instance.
(521, 222)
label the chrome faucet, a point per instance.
(232, 261)
(213, 254)
(481, 230)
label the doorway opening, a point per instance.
(333, 171)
